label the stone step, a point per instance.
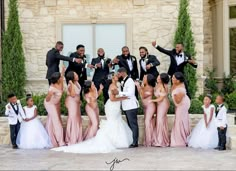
(232, 130)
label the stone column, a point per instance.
(220, 37)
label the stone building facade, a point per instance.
(42, 24)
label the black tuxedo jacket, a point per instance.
(173, 64)
(123, 63)
(78, 68)
(52, 61)
(100, 73)
(150, 59)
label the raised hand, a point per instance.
(154, 43)
(101, 87)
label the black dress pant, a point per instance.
(132, 120)
(14, 129)
(222, 138)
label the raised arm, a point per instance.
(71, 89)
(162, 50)
(154, 61)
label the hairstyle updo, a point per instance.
(179, 76)
(70, 76)
(28, 96)
(87, 86)
(151, 80)
(55, 77)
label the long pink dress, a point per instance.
(149, 110)
(93, 114)
(74, 121)
(54, 122)
(161, 132)
(181, 129)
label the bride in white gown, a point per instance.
(114, 132)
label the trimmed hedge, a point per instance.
(39, 101)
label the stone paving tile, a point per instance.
(139, 159)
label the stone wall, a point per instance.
(156, 19)
(194, 119)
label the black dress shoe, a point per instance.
(217, 148)
(15, 147)
(222, 149)
(133, 146)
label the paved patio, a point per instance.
(135, 159)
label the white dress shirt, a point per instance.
(179, 58)
(129, 61)
(143, 64)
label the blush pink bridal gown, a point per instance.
(54, 122)
(161, 134)
(181, 129)
(74, 121)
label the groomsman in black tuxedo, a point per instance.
(79, 68)
(148, 63)
(53, 59)
(129, 62)
(102, 69)
(178, 59)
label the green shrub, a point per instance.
(13, 60)
(185, 35)
(196, 107)
(172, 107)
(231, 100)
(229, 84)
(210, 82)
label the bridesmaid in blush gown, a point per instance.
(146, 92)
(52, 105)
(74, 122)
(91, 108)
(181, 129)
(161, 135)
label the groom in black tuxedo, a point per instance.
(102, 66)
(178, 59)
(148, 63)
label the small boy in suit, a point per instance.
(15, 114)
(221, 122)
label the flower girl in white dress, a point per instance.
(32, 134)
(205, 134)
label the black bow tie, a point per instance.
(143, 59)
(179, 56)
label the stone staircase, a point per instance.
(194, 119)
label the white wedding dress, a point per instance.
(113, 134)
(32, 134)
(202, 137)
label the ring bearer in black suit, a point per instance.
(178, 59)
(148, 63)
(221, 122)
(102, 69)
(53, 60)
(129, 62)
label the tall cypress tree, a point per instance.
(13, 60)
(184, 34)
